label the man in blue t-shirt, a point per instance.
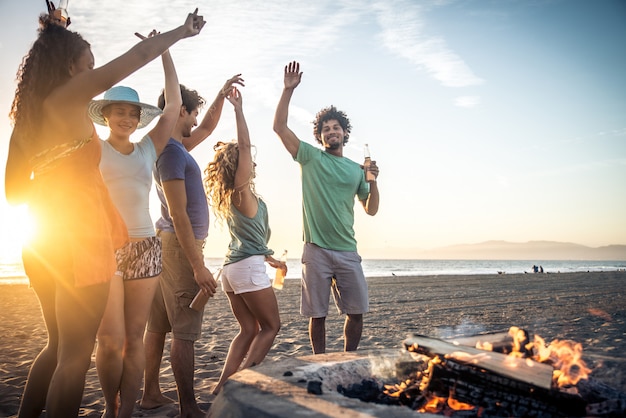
(330, 182)
(183, 228)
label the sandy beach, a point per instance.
(589, 308)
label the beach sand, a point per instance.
(589, 308)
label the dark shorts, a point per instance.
(139, 259)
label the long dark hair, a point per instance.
(46, 66)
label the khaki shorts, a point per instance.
(341, 271)
(170, 309)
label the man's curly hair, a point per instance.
(219, 180)
(46, 66)
(331, 113)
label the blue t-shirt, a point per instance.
(175, 163)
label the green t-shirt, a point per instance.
(329, 185)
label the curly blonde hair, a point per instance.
(219, 180)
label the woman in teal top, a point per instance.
(230, 186)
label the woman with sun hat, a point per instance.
(127, 171)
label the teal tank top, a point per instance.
(248, 236)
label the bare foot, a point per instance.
(152, 403)
(196, 413)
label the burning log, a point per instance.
(515, 368)
(496, 394)
(534, 380)
(499, 342)
(490, 383)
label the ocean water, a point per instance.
(12, 271)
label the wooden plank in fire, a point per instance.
(522, 369)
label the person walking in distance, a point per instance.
(183, 228)
(229, 184)
(330, 182)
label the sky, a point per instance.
(489, 120)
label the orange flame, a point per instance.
(565, 356)
(459, 406)
(434, 404)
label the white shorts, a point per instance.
(247, 275)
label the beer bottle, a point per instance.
(369, 176)
(281, 272)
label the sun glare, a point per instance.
(19, 227)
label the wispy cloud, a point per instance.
(467, 101)
(403, 34)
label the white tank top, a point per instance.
(129, 180)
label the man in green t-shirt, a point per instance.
(330, 182)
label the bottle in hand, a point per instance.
(369, 176)
(201, 298)
(281, 272)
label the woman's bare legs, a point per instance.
(110, 345)
(259, 322)
(120, 356)
(139, 295)
(78, 314)
(40, 374)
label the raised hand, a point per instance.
(236, 79)
(194, 24)
(234, 96)
(293, 76)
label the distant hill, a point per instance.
(532, 250)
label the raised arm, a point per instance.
(162, 132)
(212, 116)
(84, 86)
(292, 78)
(244, 200)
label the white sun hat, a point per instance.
(122, 94)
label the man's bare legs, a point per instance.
(317, 334)
(154, 342)
(182, 357)
(352, 330)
